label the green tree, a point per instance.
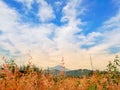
(113, 70)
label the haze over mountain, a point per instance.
(60, 68)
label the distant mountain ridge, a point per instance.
(76, 73)
(79, 72)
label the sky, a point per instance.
(44, 31)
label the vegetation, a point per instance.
(30, 77)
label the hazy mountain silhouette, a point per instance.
(59, 68)
(76, 73)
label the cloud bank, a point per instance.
(48, 42)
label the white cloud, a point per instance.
(72, 10)
(65, 38)
(6, 17)
(90, 39)
(46, 12)
(25, 37)
(111, 29)
(22, 35)
(110, 32)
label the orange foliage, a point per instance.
(37, 80)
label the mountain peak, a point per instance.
(60, 68)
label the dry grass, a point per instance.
(11, 78)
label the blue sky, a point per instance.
(51, 29)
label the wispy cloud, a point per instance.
(46, 12)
